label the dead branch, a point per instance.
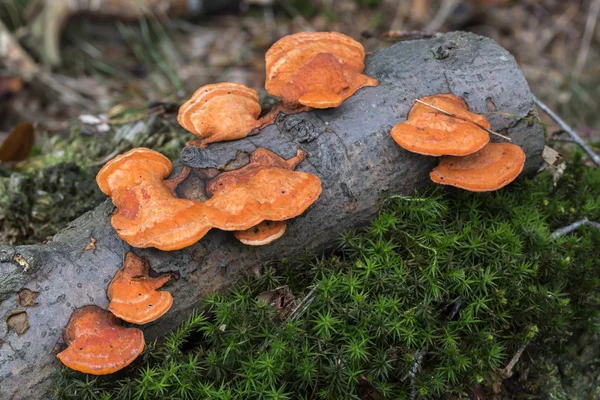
(572, 227)
(576, 138)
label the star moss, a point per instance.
(433, 298)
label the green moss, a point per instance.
(58, 183)
(433, 298)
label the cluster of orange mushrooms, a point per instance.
(442, 125)
(306, 71)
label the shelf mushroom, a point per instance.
(430, 132)
(97, 344)
(221, 112)
(133, 292)
(491, 168)
(148, 214)
(267, 231)
(262, 234)
(315, 69)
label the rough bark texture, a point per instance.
(349, 148)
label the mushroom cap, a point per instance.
(262, 234)
(146, 207)
(221, 111)
(147, 165)
(133, 293)
(432, 133)
(491, 168)
(149, 215)
(261, 158)
(97, 344)
(316, 69)
(273, 194)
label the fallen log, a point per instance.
(349, 148)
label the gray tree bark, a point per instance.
(349, 148)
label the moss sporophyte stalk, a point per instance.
(433, 298)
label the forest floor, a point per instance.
(127, 73)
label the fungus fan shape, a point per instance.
(261, 159)
(262, 234)
(491, 168)
(220, 112)
(133, 292)
(316, 69)
(97, 344)
(433, 133)
(148, 214)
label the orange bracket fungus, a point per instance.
(148, 214)
(316, 69)
(220, 112)
(261, 234)
(97, 343)
(133, 292)
(491, 168)
(267, 231)
(431, 132)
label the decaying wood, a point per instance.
(349, 148)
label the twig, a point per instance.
(295, 314)
(576, 138)
(575, 225)
(414, 371)
(306, 301)
(463, 119)
(506, 372)
(590, 26)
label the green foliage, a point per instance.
(434, 297)
(58, 184)
(33, 204)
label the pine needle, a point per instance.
(456, 116)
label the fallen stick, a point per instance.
(572, 227)
(576, 138)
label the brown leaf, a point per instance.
(281, 298)
(26, 297)
(19, 259)
(550, 155)
(17, 321)
(367, 391)
(18, 144)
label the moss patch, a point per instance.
(433, 298)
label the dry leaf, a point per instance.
(26, 297)
(18, 144)
(91, 245)
(17, 321)
(550, 155)
(281, 298)
(19, 259)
